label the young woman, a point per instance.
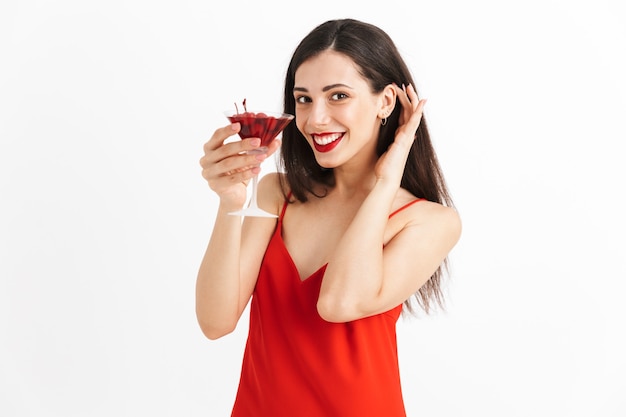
(364, 223)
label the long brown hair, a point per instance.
(379, 62)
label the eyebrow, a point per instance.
(328, 87)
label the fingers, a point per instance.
(232, 172)
(226, 164)
(273, 146)
(220, 135)
(216, 143)
(215, 150)
(243, 160)
(408, 98)
(412, 95)
(233, 177)
(230, 160)
(412, 109)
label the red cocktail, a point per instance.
(263, 125)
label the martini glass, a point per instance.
(263, 125)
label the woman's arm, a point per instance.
(229, 269)
(230, 265)
(363, 278)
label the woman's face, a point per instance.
(336, 110)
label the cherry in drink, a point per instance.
(263, 125)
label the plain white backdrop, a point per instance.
(104, 217)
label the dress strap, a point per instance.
(410, 203)
(282, 212)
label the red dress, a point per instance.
(296, 364)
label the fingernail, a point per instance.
(261, 157)
(255, 142)
(234, 126)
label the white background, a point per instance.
(104, 217)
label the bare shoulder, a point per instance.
(271, 195)
(412, 212)
(431, 211)
(422, 220)
(435, 217)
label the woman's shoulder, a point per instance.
(416, 211)
(272, 191)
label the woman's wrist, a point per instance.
(385, 188)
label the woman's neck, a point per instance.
(352, 180)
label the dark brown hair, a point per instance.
(380, 63)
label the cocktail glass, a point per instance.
(263, 125)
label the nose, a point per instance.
(319, 115)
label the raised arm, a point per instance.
(230, 265)
(365, 277)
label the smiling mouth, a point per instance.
(327, 141)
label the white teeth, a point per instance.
(326, 139)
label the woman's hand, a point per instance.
(227, 168)
(390, 165)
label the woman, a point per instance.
(364, 222)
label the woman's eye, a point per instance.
(302, 99)
(339, 96)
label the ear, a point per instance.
(387, 101)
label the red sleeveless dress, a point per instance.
(296, 364)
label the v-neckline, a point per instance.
(318, 271)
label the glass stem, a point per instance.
(253, 202)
